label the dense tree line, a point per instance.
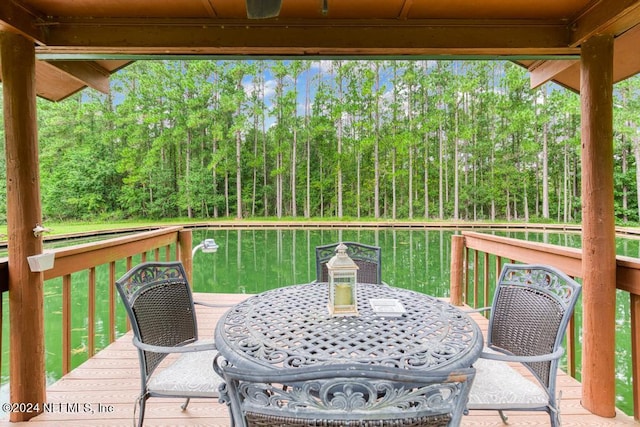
(374, 139)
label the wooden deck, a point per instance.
(102, 392)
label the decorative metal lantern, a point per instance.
(343, 274)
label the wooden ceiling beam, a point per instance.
(309, 37)
(17, 19)
(548, 70)
(406, 7)
(625, 51)
(612, 17)
(54, 84)
(211, 10)
(89, 73)
(567, 72)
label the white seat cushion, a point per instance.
(191, 375)
(499, 386)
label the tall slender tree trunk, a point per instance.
(456, 171)
(525, 201)
(214, 176)
(187, 175)
(440, 172)
(393, 183)
(279, 160)
(226, 193)
(426, 174)
(545, 171)
(394, 150)
(493, 183)
(321, 189)
(238, 174)
(625, 189)
(340, 130)
(294, 162)
(358, 184)
(565, 183)
(410, 150)
(307, 114)
(239, 151)
(376, 147)
(265, 173)
(294, 149)
(254, 177)
(279, 182)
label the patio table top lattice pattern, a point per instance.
(290, 327)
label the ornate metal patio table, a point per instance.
(290, 327)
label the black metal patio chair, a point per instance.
(366, 257)
(160, 306)
(531, 309)
(345, 395)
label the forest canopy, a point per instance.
(419, 139)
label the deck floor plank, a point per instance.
(109, 383)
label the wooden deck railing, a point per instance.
(169, 243)
(477, 258)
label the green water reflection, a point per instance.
(252, 261)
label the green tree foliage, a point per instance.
(374, 139)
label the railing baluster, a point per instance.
(91, 299)
(66, 324)
(112, 302)
(129, 266)
(485, 285)
(571, 349)
(476, 275)
(467, 279)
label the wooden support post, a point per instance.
(185, 243)
(27, 374)
(598, 227)
(457, 269)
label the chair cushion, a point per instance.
(499, 386)
(191, 375)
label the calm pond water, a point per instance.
(252, 261)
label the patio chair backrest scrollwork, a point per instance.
(366, 257)
(346, 395)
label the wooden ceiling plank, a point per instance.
(89, 73)
(548, 70)
(19, 20)
(500, 36)
(611, 17)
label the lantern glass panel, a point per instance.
(342, 284)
